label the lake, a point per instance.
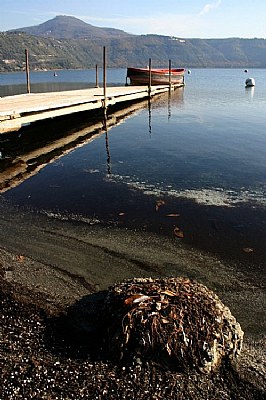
(45, 81)
(189, 165)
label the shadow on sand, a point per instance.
(79, 332)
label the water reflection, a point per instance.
(169, 105)
(149, 113)
(250, 91)
(174, 99)
(24, 153)
(108, 154)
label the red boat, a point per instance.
(141, 76)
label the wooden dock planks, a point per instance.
(19, 110)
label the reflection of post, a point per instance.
(108, 159)
(104, 81)
(169, 104)
(149, 105)
(27, 70)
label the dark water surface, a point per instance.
(190, 164)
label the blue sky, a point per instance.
(182, 18)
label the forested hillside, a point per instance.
(76, 48)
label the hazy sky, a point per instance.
(182, 18)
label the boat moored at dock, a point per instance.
(157, 76)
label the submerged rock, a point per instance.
(175, 323)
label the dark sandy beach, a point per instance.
(49, 267)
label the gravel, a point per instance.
(48, 273)
(40, 360)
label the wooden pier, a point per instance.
(19, 110)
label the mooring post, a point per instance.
(27, 70)
(149, 90)
(104, 80)
(96, 76)
(170, 74)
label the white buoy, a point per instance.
(250, 82)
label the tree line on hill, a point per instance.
(68, 43)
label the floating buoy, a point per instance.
(250, 82)
(246, 70)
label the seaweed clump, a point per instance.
(175, 323)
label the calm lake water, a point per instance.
(194, 160)
(45, 81)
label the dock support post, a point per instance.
(27, 70)
(149, 89)
(170, 74)
(96, 76)
(104, 80)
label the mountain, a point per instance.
(66, 27)
(68, 43)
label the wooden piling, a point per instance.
(149, 89)
(27, 70)
(170, 74)
(96, 76)
(104, 80)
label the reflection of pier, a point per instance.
(26, 152)
(19, 110)
(174, 98)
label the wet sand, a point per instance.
(48, 265)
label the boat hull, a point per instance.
(141, 76)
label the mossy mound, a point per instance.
(175, 323)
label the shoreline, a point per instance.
(47, 266)
(91, 257)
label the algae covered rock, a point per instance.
(175, 323)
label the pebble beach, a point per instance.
(47, 350)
